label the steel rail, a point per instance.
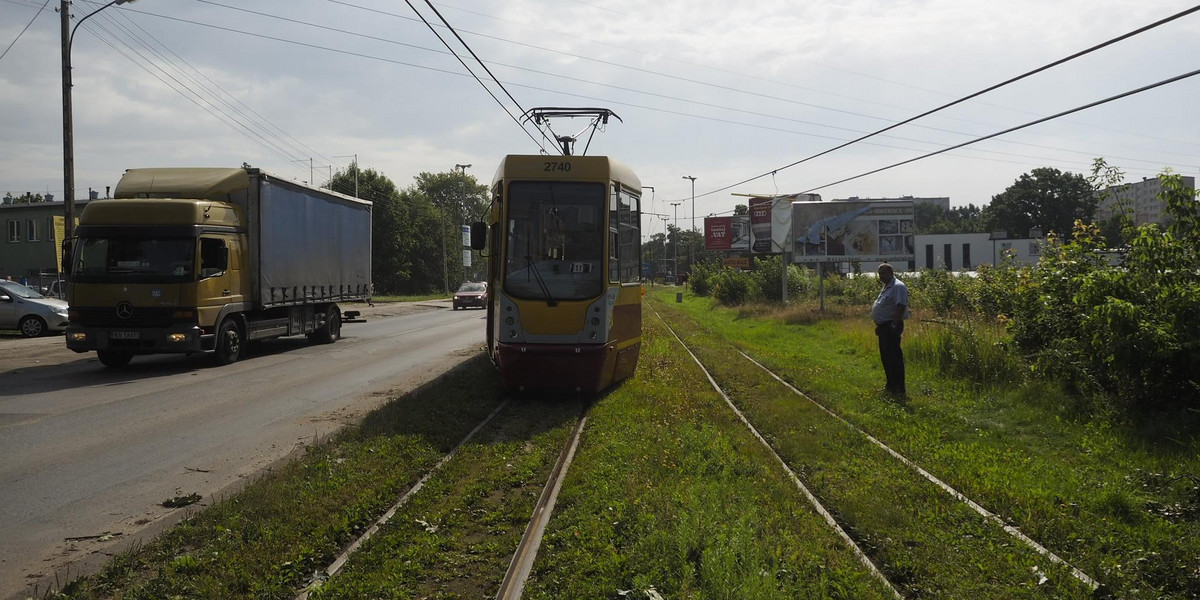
(513, 584)
(340, 561)
(812, 499)
(985, 513)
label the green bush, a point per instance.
(733, 287)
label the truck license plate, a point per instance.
(124, 335)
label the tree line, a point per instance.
(416, 240)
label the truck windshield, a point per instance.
(555, 240)
(135, 260)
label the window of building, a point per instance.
(31, 230)
(14, 231)
(966, 257)
(928, 256)
(946, 257)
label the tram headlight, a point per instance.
(509, 321)
(595, 320)
(512, 333)
(592, 335)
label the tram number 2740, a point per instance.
(557, 166)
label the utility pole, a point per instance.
(675, 206)
(68, 36)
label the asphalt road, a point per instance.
(88, 454)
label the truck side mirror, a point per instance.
(478, 235)
(66, 258)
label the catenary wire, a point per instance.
(666, 75)
(14, 42)
(268, 127)
(191, 99)
(1144, 88)
(889, 81)
(665, 96)
(214, 100)
(476, 77)
(449, 72)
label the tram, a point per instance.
(564, 245)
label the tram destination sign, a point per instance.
(846, 231)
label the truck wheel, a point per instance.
(32, 326)
(114, 359)
(229, 342)
(331, 330)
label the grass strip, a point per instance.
(670, 494)
(928, 543)
(1119, 500)
(267, 540)
(455, 537)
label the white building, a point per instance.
(965, 252)
(1141, 197)
(941, 202)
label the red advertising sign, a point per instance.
(718, 233)
(760, 225)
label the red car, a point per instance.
(471, 294)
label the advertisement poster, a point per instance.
(843, 231)
(727, 233)
(760, 225)
(771, 221)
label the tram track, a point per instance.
(977, 508)
(509, 423)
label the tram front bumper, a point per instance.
(584, 368)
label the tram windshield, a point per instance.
(555, 240)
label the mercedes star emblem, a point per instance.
(124, 310)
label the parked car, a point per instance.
(471, 294)
(28, 311)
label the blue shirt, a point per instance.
(892, 295)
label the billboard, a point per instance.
(771, 222)
(727, 233)
(845, 231)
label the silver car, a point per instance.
(27, 310)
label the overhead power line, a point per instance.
(14, 42)
(1012, 129)
(973, 95)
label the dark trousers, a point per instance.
(891, 355)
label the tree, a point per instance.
(389, 269)
(26, 198)
(1046, 199)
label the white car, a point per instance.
(28, 311)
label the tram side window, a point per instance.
(629, 237)
(614, 237)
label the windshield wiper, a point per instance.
(537, 274)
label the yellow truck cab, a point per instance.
(186, 260)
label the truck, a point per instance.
(207, 260)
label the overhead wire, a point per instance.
(204, 93)
(678, 99)
(476, 77)
(885, 80)
(14, 42)
(267, 126)
(756, 95)
(195, 99)
(1064, 113)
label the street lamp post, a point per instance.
(691, 247)
(68, 36)
(462, 169)
(675, 268)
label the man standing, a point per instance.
(889, 312)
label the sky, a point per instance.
(721, 91)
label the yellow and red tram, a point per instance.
(564, 242)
